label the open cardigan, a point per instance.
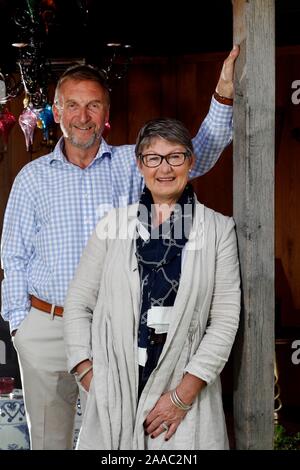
(101, 321)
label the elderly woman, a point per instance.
(153, 309)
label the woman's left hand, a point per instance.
(164, 415)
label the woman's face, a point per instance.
(165, 182)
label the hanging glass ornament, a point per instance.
(45, 120)
(28, 121)
(106, 130)
(7, 121)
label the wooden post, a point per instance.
(254, 116)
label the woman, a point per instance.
(159, 281)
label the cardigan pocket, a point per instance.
(89, 438)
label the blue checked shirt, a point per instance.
(54, 206)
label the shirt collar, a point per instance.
(58, 155)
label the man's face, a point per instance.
(82, 112)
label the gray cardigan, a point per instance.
(101, 322)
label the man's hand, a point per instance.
(225, 83)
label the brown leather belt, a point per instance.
(45, 307)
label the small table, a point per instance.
(14, 433)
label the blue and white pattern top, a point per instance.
(54, 206)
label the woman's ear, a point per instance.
(139, 164)
(192, 161)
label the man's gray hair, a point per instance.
(81, 73)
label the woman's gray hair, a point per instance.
(169, 129)
(81, 73)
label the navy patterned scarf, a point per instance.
(159, 257)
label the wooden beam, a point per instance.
(254, 121)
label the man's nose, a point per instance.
(84, 115)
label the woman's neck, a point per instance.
(162, 211)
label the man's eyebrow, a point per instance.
(73, 100)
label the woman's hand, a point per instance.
(86, 381)
(164, 415)
(87, 378)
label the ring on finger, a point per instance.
(165, 426)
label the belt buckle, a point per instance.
(157, 338)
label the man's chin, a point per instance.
(84, 145)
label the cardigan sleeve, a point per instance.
(215, 346)
(82, 298)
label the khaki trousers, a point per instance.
(50, 392)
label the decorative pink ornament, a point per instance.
(7, 121)
(106, 130)
(27, 121)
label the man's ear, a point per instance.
(56, 113)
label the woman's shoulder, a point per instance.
(212, 217)
(208, 212)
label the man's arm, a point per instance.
(215, 132)
(16, 249)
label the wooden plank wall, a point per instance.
(287, 184)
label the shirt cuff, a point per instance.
(220, 115)
(16, 318)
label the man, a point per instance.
(53, 207)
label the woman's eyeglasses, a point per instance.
(152, 160)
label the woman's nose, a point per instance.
(165, 167)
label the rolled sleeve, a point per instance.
(213, 136)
